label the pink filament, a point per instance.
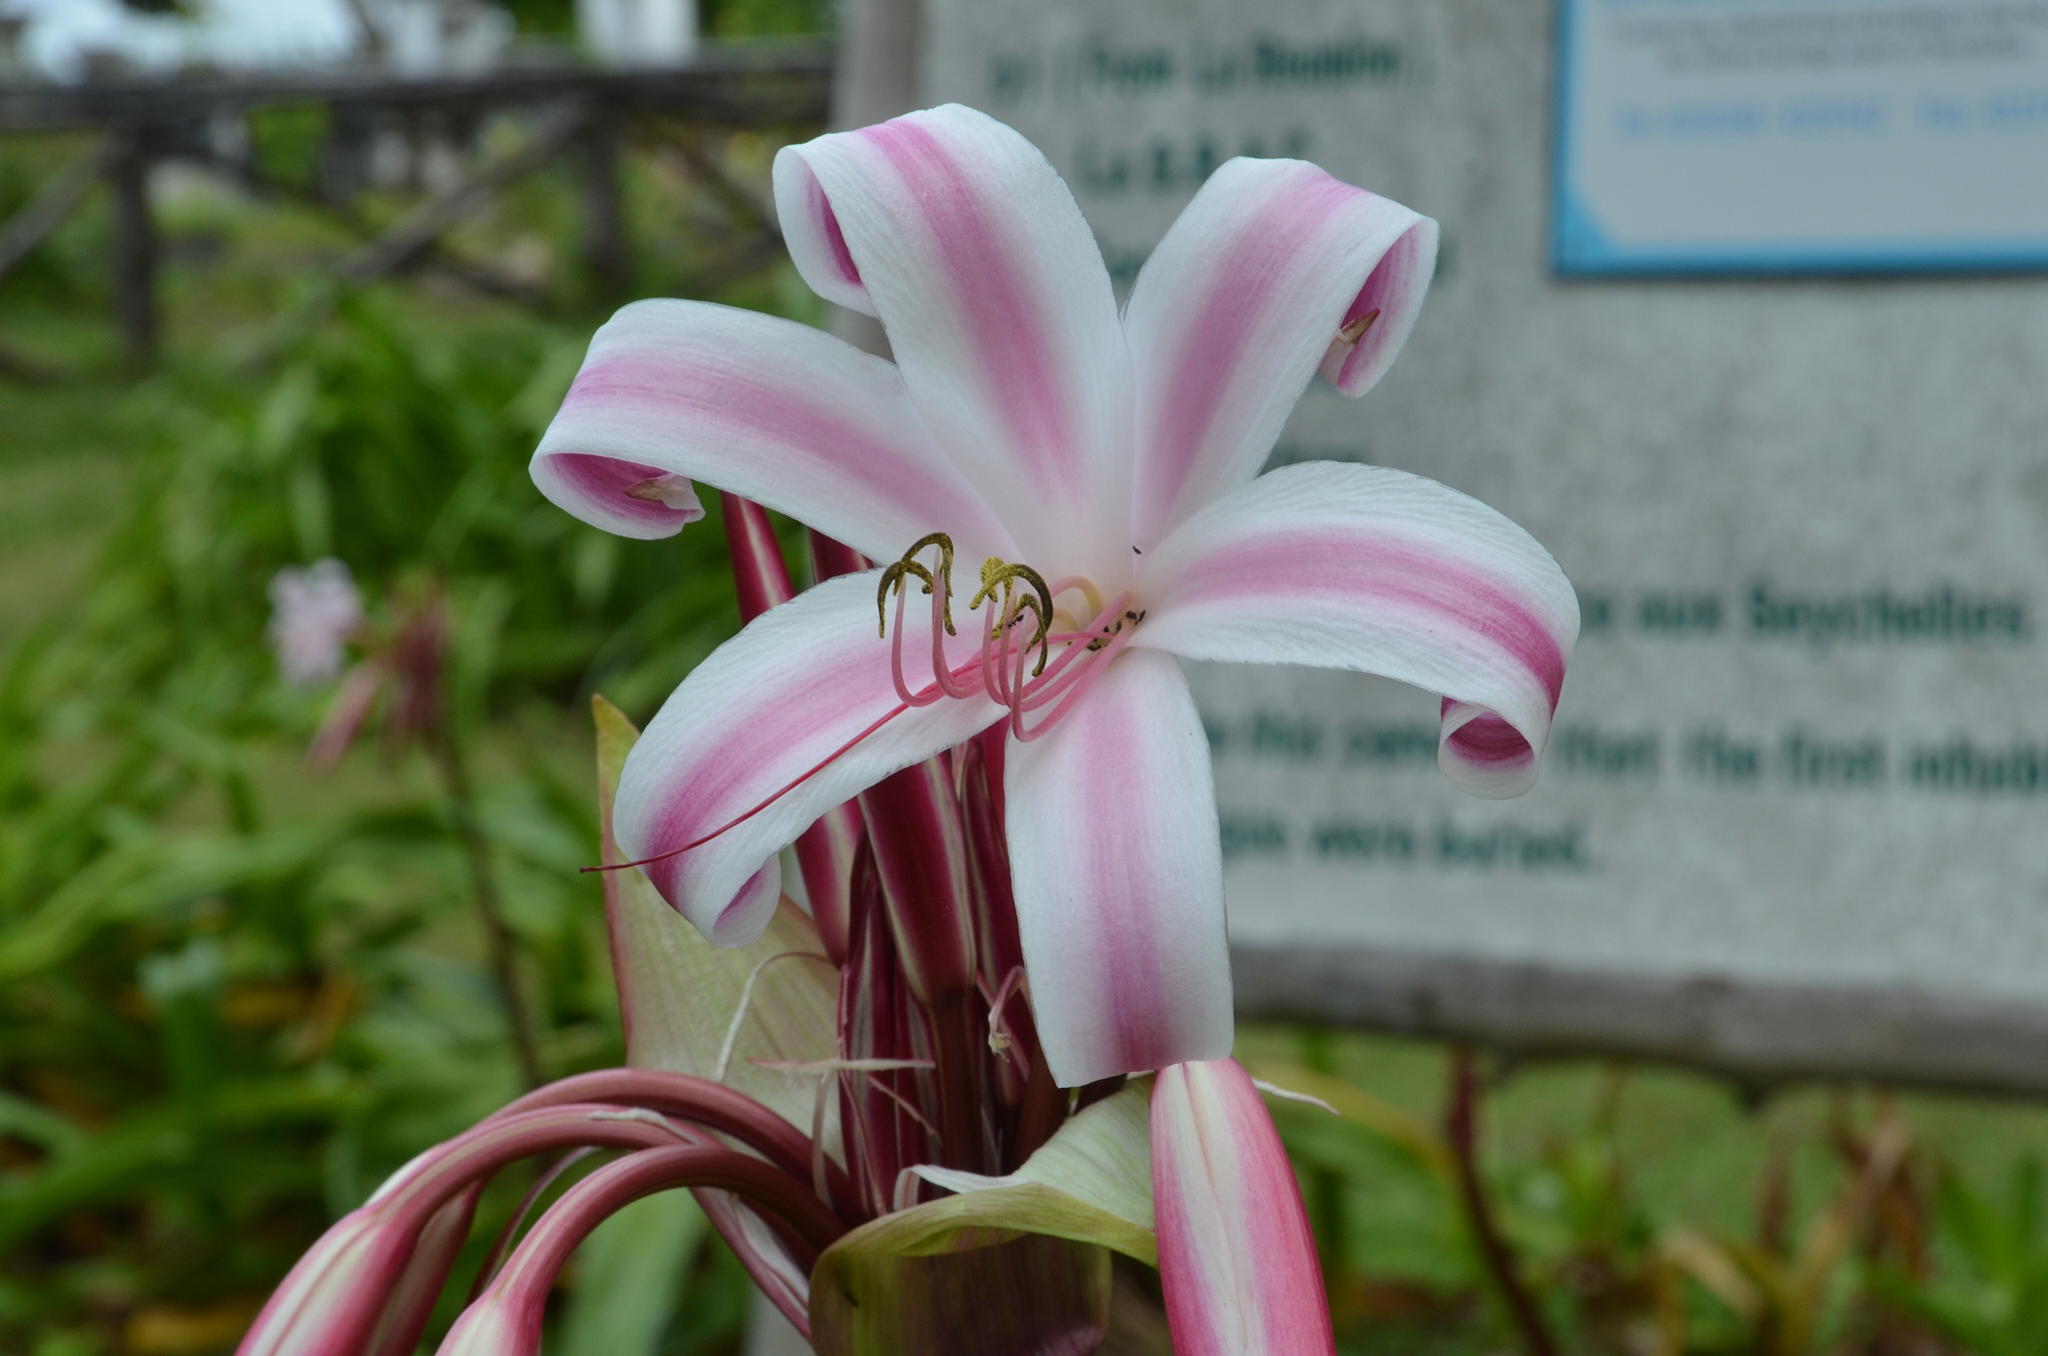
(1000, 663)
(998, 669)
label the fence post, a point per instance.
(604, 219)
(134, 246)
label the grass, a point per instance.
(1693, 1145)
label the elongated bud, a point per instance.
(433, 1257)
(759, 573)
(336, 1300)
(824, 853)
(921, 856)
(830, 559)
(333, 1299)
(887, 1121)
(1236, 1258)
(506, 1319)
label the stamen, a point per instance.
(1000, 1039)
(908, 567)
(998, 668)
(1354, 331)
(1001, 574)
(671, 491)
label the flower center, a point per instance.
(1024, 615)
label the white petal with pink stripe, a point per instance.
(1118, 868)
(998, 309)
(1360, 567)
(1274, 268)
(796, 714)
(786, 415)
(1236, 1259)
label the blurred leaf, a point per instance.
(631, 1277)
(1418, 1141)
(1997, 1305)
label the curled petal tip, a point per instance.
(629, 498)
(1482, 754)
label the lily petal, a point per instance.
(959, 235)
(1237, 1261)
(1360, 567)
(1118, 870)
(791, 695)
(781, 413)
(1269, 272)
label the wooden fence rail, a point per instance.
(143, 121)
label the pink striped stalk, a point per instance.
(426, 1271)
(700, 1102)
(878, 1021)
(372, 1277)
(1022, 1079)
(827, 848)
(333, 1301)
(760, 575)
(830, 559)
(1237, 1260)
(506, 1320)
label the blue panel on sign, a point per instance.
(1800, 136)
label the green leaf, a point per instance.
(1012, 1271)
(144, 878)
(679, 994)
(1102, 1157)
(1016, 1264)
(630, 1277)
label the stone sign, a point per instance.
(1756, 135)
(1794, 818)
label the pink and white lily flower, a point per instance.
(1096, 475)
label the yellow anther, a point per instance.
(1355, 331)
(910, 568)
(999, 585)
(998, 574)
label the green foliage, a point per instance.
(552, 17)
(284, 144)
(1994, 1301)
(632, 1267)
(765, 18)
(719, 18)
(396, 449)
(234, 996)
(63, 269)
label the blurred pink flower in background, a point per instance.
(313, 611)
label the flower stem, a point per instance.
(498, 940)
(1461, 1129)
